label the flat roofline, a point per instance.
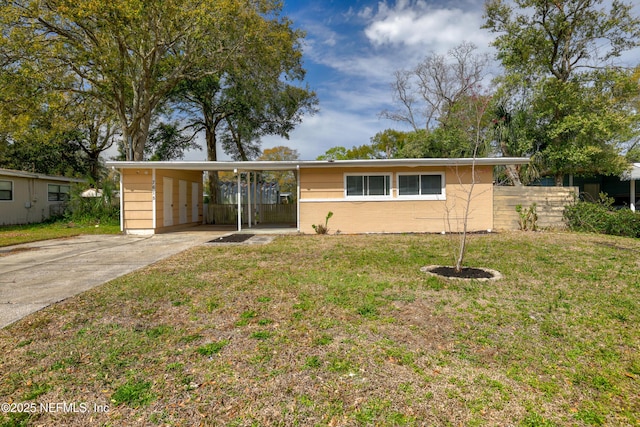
(32, 175)
(257, 165)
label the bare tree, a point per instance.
(480, 104)
(428, 94)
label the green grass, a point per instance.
(345, 330)
(17, 234)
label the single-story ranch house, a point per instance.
(365, 196)
(27, 197)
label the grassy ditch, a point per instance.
(343, 330)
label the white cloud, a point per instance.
(421, 25)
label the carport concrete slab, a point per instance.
(35, 275)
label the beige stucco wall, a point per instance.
(139, 188)
(30, 202)
(322, 190)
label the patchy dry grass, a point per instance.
(17, 234)
(344, 330)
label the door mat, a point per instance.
(232, 238)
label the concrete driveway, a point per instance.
(35, 275)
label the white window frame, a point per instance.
(441, 196)
(389, 177)
(13, 189)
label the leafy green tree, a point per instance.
(58, 156)
(334, 153)
(633, 155)
(168, 142)
(286, 179)
(129, 56)
(557, 56)
(360, 152)
(510, 138)
(259, 95)
(389, 142)
(94, 130)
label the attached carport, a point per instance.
(148, 193)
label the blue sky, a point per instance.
(351, 51)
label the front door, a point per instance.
(167, 192)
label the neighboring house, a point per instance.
(365, 196)
(27, 197)
(623, 189)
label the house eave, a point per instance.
(258, 165)
(32, 175)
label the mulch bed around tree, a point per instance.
(468, 273)
(232, 238)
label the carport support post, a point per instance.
(249, 198)
(256, 196)
(633, 194)
(121, 199)
(298, 197)
(239, 200)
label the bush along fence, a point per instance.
(602, 217)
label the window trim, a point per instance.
(366, 197)
(441, 196)
(13, 188)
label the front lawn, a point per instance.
(343, 331)
(17, 234)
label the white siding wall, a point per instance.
(30, 202)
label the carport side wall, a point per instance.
(176, 176)
(137, 198)
(322, 190)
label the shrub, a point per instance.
(602, 217)
(101, 209)
(323, 229)
(528, 217)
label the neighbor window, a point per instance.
(58, 193)
(429, 186)
(368, 185)
(6, 190)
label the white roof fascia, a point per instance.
(31, 175)
(293, 164)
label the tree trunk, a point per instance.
(140, 136)
(212, 156)
(559, 177)
(513, 175)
